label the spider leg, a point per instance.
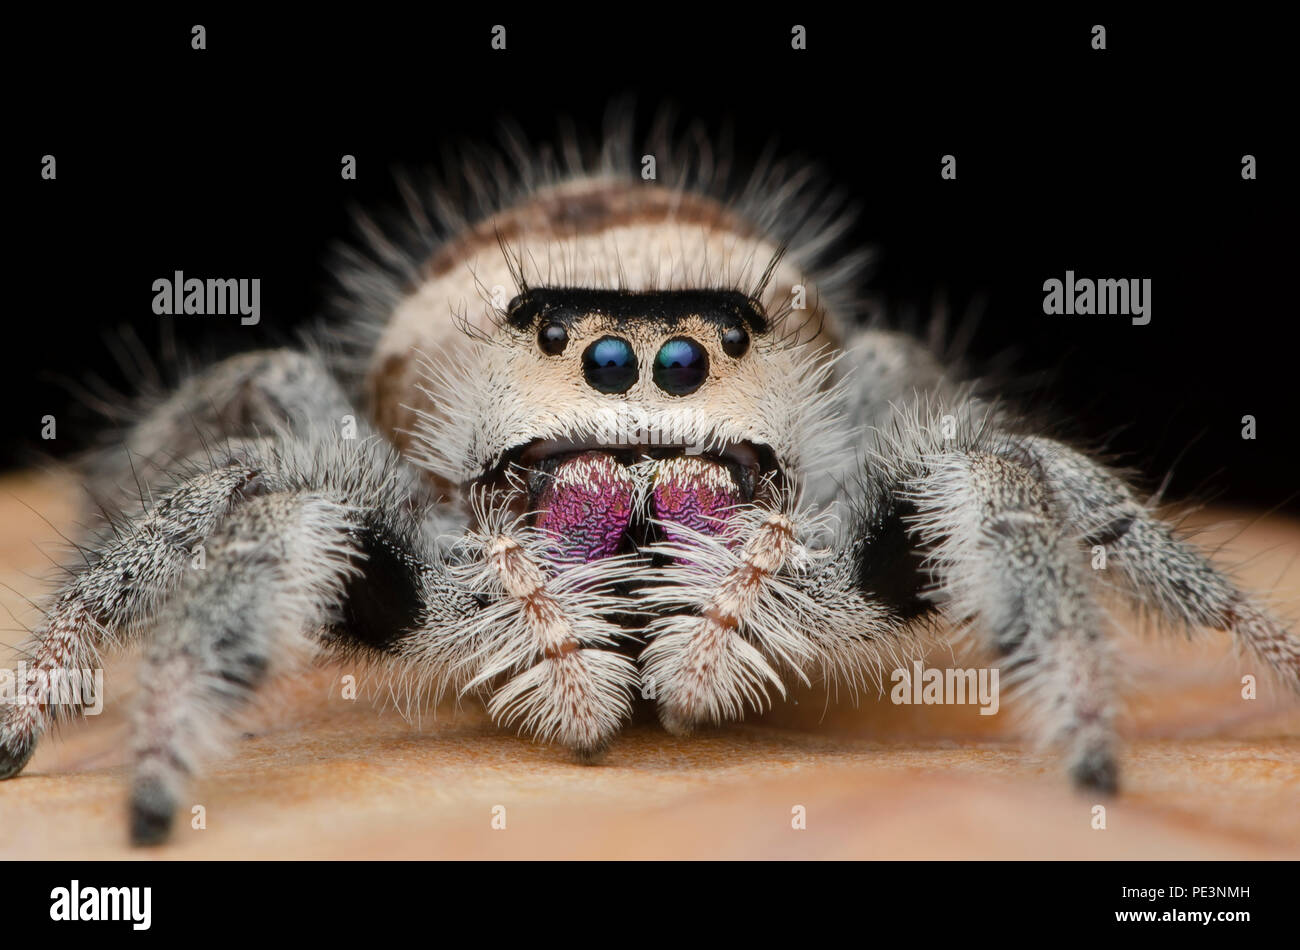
(116, 595)
(955, 516)
(1153, 565)
(1005, 524)
(247, 395)
(333, 558)
(893, 376)
(309, 535)
(1004, 560)
(352, 569)
(277, 569)
(966, 529)
(212, 431)
(293, 573)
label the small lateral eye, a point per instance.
(735, 341)
(553, 338)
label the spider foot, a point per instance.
(14, 761)
(153, 809)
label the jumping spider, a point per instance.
(602, 437)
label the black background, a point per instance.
(1119, 163)
(230, 899)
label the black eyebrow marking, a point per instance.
(724, 308)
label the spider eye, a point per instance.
(609, 365)
(681, 366)
(553, 338)
(735, 342)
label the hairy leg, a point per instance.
(116, 594)
(1004, 561)
(337, 552)
(253, 424)
(276, 571)
(209, 431)
(957, 508)
(250, 395)
(1006, 522)
(1156, 567)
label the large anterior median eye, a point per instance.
(681, 366)
(610, 365)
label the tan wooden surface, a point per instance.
(1206, 773)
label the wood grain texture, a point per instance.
(1206, 774)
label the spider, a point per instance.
(583, 438)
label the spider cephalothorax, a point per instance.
(607, 436)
